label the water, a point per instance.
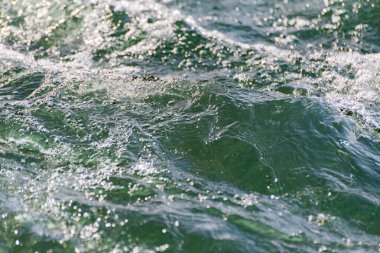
(189, 126)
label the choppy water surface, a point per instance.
(189, 126)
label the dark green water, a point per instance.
(189, 126)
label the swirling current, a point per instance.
(189, 126)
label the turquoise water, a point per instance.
(189, 126)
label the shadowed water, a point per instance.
(189, 126)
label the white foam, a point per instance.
(355, 84)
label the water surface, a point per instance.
(189, 126)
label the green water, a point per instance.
(189, 126)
